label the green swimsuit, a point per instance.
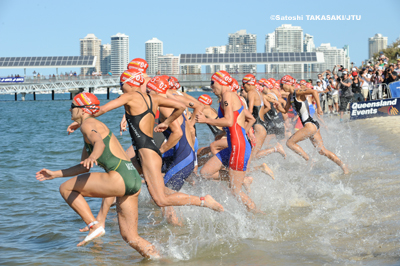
(110, 162)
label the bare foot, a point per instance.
(86, 228)
(345, 169)
(95, 232)
(211, 203)
(264, 168)
(280, 149)
(247, 182)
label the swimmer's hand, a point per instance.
(122, 125)
(71, 128)
(201, 118)
(161, 127)
(89, 162)
(45, 174)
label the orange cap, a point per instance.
(158, 84)
(277, 84)
(175, 82)
(205, 98)
(287, 79)
(249, 79)
(138, 64)
(222, 77)
(259, 87)
(234, 85)
(262, 81)
(132, 77)
(89, 100)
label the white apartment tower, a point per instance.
(332, 57)
(154, 49)
(289, 38)
(376, 44)
(105, 58)
(90, 45)
(216, 50)
(168, 64)
(119, 53)
(242, 42)
(269, 46)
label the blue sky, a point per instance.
(53, 28)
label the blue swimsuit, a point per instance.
(178, 162)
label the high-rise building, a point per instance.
(242, 42)
(168, 64)
(376, 44)
(154, 48)
(90, 45)
(269, 46)
(119, 53)
(309, 46)
(289, 38)
(105, 58)
(332, 57)
(215, 50)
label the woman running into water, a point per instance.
(121, 179)
(236, 122)
(310, 128)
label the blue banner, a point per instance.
(375, 108)
(395, 89)
(20, 79)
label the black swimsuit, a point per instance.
(139, 139)
(257, 111)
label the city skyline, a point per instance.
(59, 39)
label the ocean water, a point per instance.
(313, 215)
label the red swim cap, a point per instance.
(234, 85)
(303, 82)
(309, 85)
(296, 85)
(277, 84)
(205, 98)
(170, 83)
(272, 80)
(89, 100)
(289, 80)
(175, 82)
(249, 79)
(259, 87)
(222, 77)
(262, 81)
(132, 77)
(138, 64)
(158, 84)
(268, 84)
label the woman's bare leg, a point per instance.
(211, 168)
(99, 185)
(127, 208)
(260, 133)
(102, 215)
(218, 145)
(306, 132)
(318, 143)
(151, 165)
(236, 179)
